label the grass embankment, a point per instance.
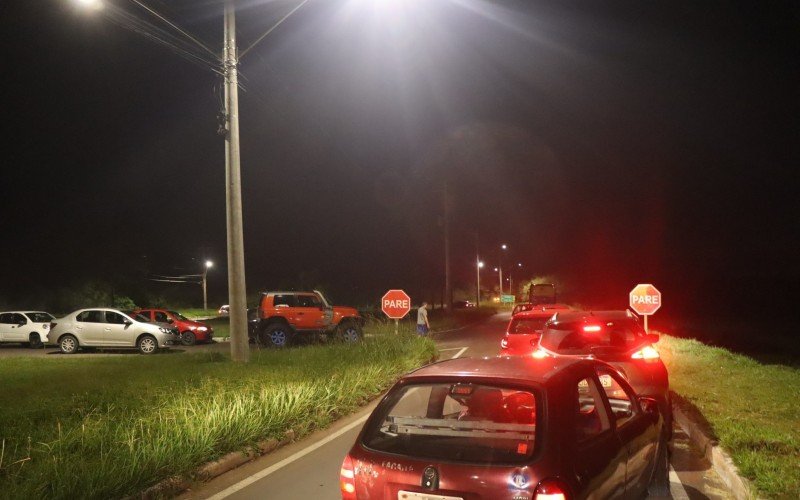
(198, 313)
(753, 408)
(111, 426)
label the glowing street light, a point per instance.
(89, 4)
(478, 268)
(208, 266)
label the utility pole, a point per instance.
(448, 291)
(500, 267)
(240, 350)
(205, 291)
(478, 266)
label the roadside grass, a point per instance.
(111, 426)
(753, 409)
(198, 313)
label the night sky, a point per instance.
(607, 143)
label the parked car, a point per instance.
(224, 310)
(285, 315)
(26, 327)
(110, 328)
(617, 338)
(463, 304)
(527, 306)
(191, 331)
(525, 328)
(510, 427)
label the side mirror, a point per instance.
(22, 323)
(127, 322)
(170, 320)
(652, 338)
(649, 405)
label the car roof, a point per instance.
(542, 309)
(571, 316)
(518, 368)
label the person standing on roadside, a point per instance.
(423, 326)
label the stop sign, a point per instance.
(395, 304)
(645, 299)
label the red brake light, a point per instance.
(504, 344)
(550, 489)
(347, 481)
(591, 328)
(539, 354)
(647, 353)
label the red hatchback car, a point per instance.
(509, 428)
(191, 331)
(525, 328)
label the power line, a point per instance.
(179, 29)
(266, 33)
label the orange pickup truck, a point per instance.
(283, 316)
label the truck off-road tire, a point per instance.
(349, 332)
(68, 344)
(659, 482)
(276, 335)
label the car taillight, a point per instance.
(647, 353)
(347, 481)
(592, 328)
(504, 344)
(550, 489)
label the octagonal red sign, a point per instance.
(645, 299)
(395, 304)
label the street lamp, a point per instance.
(500, 266)
(240, 350)
(89, 4)
(510, 280)
(208, 266)
(478, 272)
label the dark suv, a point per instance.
(617, 338)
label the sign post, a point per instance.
(395, 304)
(645, 300)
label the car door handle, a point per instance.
(106, 329)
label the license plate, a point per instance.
(411, 495)
(606, 380)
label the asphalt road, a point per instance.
(310, 468)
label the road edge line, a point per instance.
(721, 462)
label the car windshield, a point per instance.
(179, 316)
(39, 317)
(588, 338)
(527, 325)
(455, 421)
(137, 316)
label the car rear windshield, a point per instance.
(39, 317)
(457, 422)
(586, 338)
(527, 325)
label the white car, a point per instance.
(110, 328)
(27, 327)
